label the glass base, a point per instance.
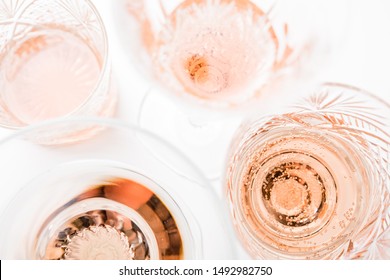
(109, 192)
(199, 133)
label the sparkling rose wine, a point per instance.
(214, 50)
(299, 194)
(313, 184)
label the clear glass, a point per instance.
(216, 61)
(53, 62)
(105, 198)
(206, 49)
(220, 52)
(313, 182)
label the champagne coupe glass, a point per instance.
(214, 58)
(313, 182)
(53, 62)
(106, 197)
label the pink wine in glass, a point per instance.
(49, 75)
(313, 183)
(214, 50)
(53, 62)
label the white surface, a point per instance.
(363, 60)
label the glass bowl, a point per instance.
(54, 62)
(208, 64)
(107, 197)
(313, 181)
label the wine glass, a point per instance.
(53, 62)
(106, 197)
(313, 181)
(215, 59)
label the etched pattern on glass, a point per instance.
(67, 40)
(219, 51)
(367, 124)
(21, 17)
(314, 183)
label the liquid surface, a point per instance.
(294, 193)
(115, 221)
(49, 74)
(216, 49)
(296, 196)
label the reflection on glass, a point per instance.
(221, 52)
(53, 62)
(313, 182)
(105, 198)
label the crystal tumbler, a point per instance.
(53, 62)
(313, 181)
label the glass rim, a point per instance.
(249, 229)
(187, 217)
(252, 125)
(357, 89)
(112, 123)
(176, 90)
(313, 90)
(105, 67)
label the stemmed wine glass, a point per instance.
(215, 60)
